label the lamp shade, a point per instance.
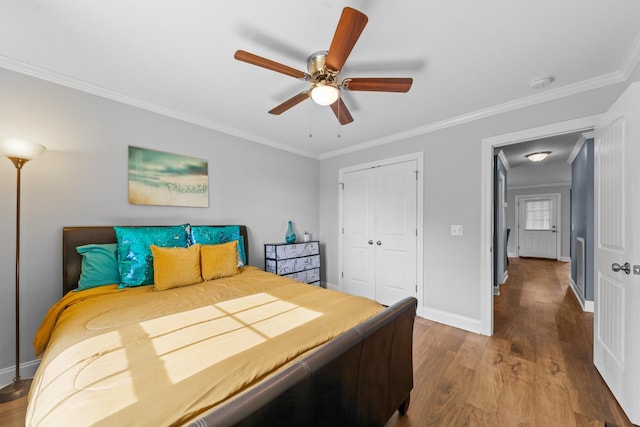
(20, 149)
(324, 94)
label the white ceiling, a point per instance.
(553, 170)
(468, 59)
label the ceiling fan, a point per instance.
(324, 70)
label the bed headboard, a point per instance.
(77, 236)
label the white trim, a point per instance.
(628, 65)
(524, 187)
(418, 157)
(579, 143)
(586, 305)
(631, 60)
(576, 88)
(332, 286)
(564, 259)
(505, 277)
(512, 255)
(589, 306)
(73, 83)
(504, 160)
(455, 320)
(486, 200)
(27, 370)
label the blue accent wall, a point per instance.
(582, 213)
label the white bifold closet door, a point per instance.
(380, 237)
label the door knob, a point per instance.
(617, 267)
(370, 242)
(378, 243)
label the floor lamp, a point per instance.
(19, 152)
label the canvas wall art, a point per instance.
(165, 179)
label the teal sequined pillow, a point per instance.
(135, 260)
(206, 235)
(99, 265)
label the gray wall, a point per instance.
(565, 212)
(82, 180)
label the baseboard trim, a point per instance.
(331, 286)
(564, 259)
(27, 370)
(586, 305)
(455, 320)
(505, 277)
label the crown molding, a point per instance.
(550, 95)
(579, 143)
(526, 187)
(70, 82)
(627, 67)
(504, 160)
(632, 59)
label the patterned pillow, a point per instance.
(206, 235)
(135, 260)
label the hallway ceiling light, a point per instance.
(538, 156)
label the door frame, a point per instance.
(486, 200)
(557, 199)
(419, 159)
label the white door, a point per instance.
(617, 212)
(380, 239)
(359, 230)
(395, 232)
(537, 226)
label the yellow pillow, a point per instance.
(219, 260)
(174, 267)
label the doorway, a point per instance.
(487, 198)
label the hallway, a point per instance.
(536, 370)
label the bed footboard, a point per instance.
(358, 379)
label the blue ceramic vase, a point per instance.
(290, 237)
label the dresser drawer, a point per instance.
(293, 265)
(293, 250)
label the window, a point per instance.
(537, 214)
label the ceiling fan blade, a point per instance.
(381, 84)
(342, 112)
(289, 103)
(350, 26)
(250, 58)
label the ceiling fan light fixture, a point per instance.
(324, 94)
(538, 156)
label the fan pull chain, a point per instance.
(309, 119)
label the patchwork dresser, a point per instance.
(299, 261)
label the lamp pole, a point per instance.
(19, 152)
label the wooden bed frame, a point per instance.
(359, 378)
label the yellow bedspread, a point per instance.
(143, 357)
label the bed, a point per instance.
(304, 364)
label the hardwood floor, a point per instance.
(536, 370)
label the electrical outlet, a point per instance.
(456, 230)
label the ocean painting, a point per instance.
(165, 179)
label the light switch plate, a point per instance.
(456, 230)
